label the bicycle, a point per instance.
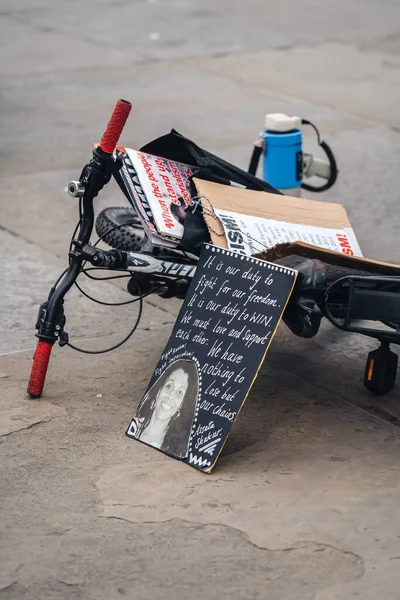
(340, 295)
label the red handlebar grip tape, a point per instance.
(39, 369)
(115, 126)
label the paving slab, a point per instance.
(18, 37)
(27, 277)
(205, 27)
(300, 504)
(357, 67)
(303, 503)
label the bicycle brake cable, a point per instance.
(83, 270)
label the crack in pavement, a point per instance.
(9, 586)
(17, 235)
(2, 435)
(69, 584)
(13, 16)
(319, 545)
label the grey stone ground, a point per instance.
(304, 501)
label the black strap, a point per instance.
(176, 147)
(331, 159)
(255, 159)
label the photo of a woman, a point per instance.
(165, 415)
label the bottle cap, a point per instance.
(281, 123)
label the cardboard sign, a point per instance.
(218, 343)
(339, 259)
(249, 222)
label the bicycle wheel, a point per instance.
(121, 228)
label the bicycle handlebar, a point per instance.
(97, 170)
(115, 126)
(39, 369)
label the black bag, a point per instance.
(213, 168)
(175, 146)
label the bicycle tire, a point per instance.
(129, 235)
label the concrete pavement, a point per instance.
(303, 503)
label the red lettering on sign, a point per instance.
(345, 244)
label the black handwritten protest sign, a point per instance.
(219, 341)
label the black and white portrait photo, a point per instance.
(165, 415)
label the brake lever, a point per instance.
(110, 259)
